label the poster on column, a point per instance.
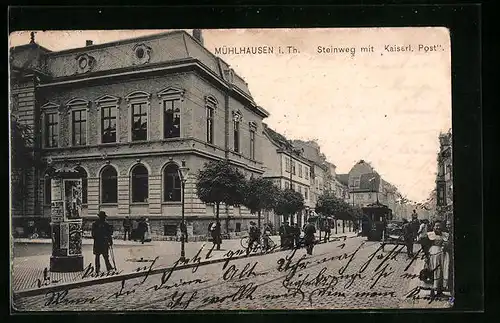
(64, 236)
(331, 111)
(72, 198)
(57, 211)
(75, 238)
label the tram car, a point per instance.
(374, 221)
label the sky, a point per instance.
(383, 105)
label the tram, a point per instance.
(374, 221)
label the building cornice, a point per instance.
(131, 71)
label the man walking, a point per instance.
(102, 233)
(408, 237)
(127, 228)
(309, 231)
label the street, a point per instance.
(339, 275)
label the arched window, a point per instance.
(109, 185)
(171, 184)
(83, 175)
(139, 184)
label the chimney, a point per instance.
(197, 35)
(88, 43)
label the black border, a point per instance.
(464, 24)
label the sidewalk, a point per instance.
(27, 272)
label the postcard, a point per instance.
(235, 169)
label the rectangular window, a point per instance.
(108, 124)
(293, 168)
(306, 172)
(293, 186)
(210, 125)
(139, 121)
(300, 171)
(252, 144)
(51, 130)
(79, 127)
(236, 136)
(171, 119)
(306, 193)
(47, 192)
(287, 185)
(287, 165)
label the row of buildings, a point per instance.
(444, 179)
(128, 114)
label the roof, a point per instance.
(343, 178)
(369, 181)
(276, 136)
(186, 47)
(281, 142)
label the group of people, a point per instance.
(137, 230)
(435, 241)
(290, 236)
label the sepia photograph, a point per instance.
(231, 169)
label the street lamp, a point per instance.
(183, 172)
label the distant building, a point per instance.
(287, 168)
(128, 113)
(444, 180)
(320, 169)
(366, 186)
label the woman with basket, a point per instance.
(437, 260)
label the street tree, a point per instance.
(220, 182)
(260, 194)
(21, 158)
(288, 202)
(329, 204)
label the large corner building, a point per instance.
(128, 114)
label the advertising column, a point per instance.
(66, 225)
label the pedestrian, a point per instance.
(415, 224)
(135, 231)
(288, 236)
(296, 236)
(266, 233)
(439, 258)
(408, 237)
(142, 229)
(253, 236)
(422, 237)
(215, 233)
(147, 231)
(127, 227)
(282, 234)
(328, 230)
(102, 233)
(309, 232)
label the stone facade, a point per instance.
(286, 166)
(149, 73)
(444, 179)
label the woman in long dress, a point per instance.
(439, 258)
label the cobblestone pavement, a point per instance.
(28, 272)
(350, 274)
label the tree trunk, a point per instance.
(258, 219)
(217, 224)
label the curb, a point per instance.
(115, 278)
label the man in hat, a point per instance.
(102, 233)
(254, 235)
(309, 231)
